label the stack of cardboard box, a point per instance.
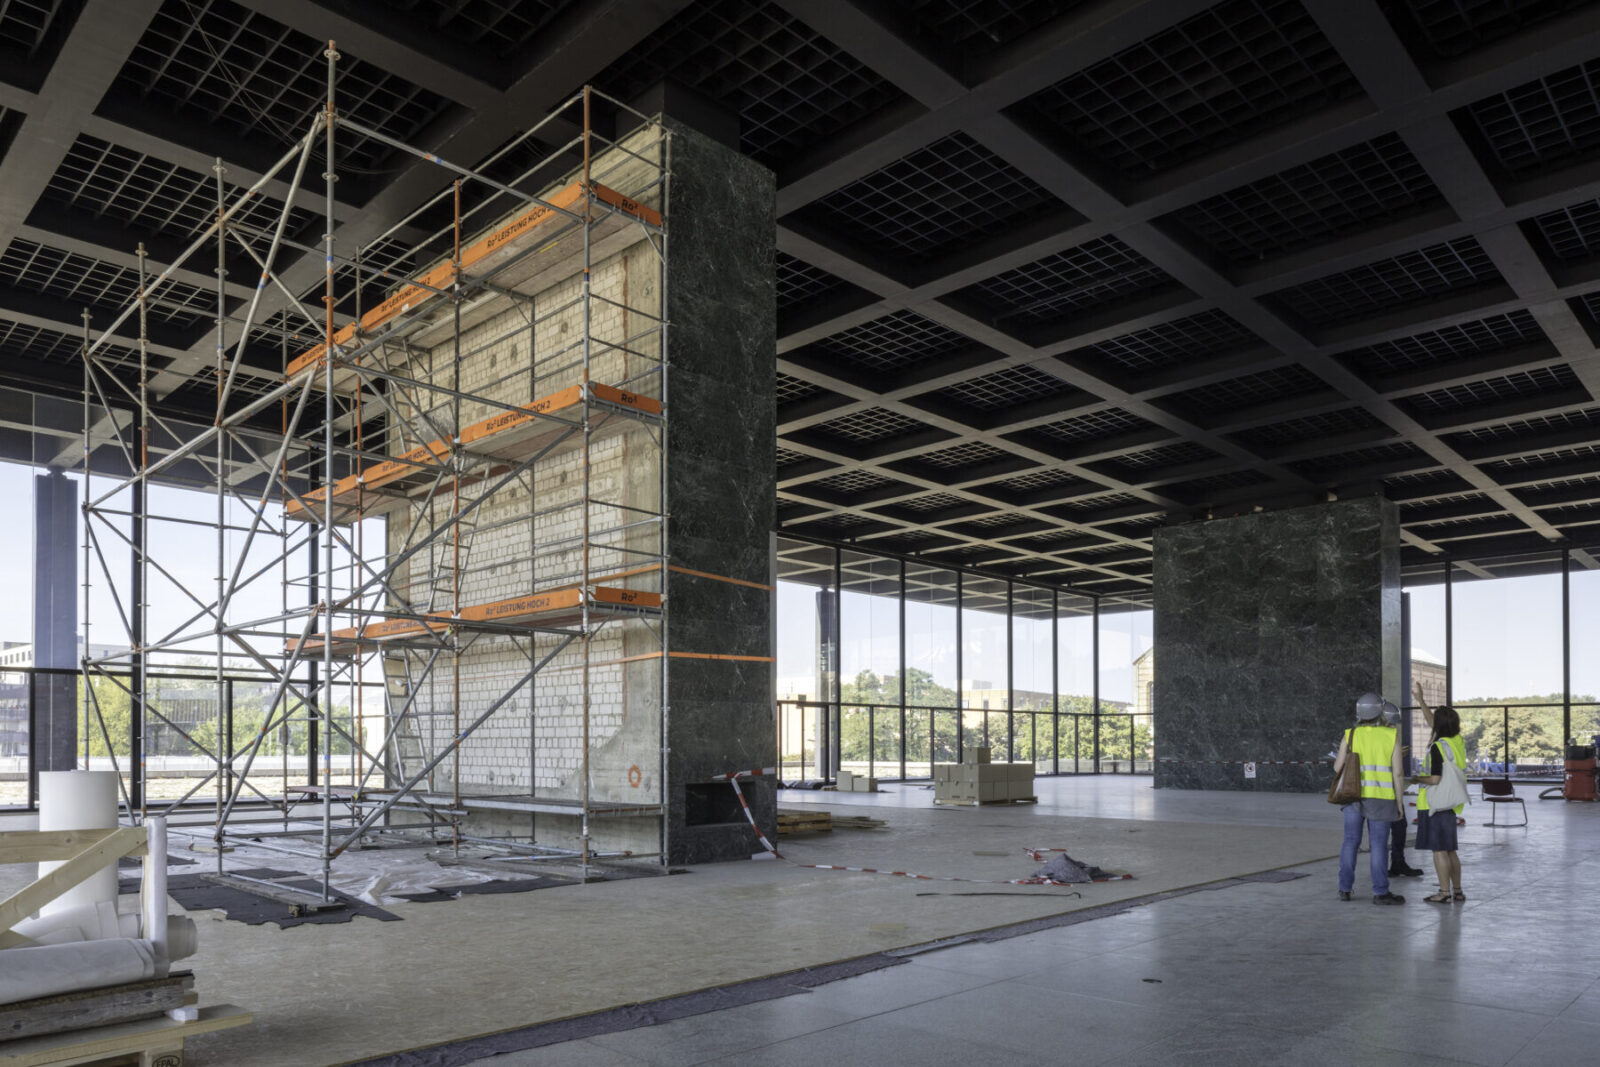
(850, 782)
(975, 780)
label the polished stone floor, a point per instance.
(1249, 974)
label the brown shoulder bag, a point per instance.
(1346, 785)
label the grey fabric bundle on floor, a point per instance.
(1063, 868)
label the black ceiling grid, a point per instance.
(1364, 374)
(1145, 262)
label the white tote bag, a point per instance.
(1451, 792)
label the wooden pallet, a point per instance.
(986, 803)
(803, 822)
(152, 1042)
(85, 1008)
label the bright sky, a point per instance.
(187, 552)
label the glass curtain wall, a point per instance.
(1075, 683)
(870, 721)
(1507, 641)
(1583, 629)
(1126, 724)
(888, 666)
(807, 675)
(1033, 726)
(985, 665)
(933, 670)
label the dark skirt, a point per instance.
(1436, 831)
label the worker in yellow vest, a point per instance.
(1377, 747)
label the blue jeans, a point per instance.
(1378, 835)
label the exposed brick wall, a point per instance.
(513, 351)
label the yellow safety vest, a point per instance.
(1374, 746)
(1458, 752)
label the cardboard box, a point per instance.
(992, 791)
(977, 754)
(844, 781)
(862, 784)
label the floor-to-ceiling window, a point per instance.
(1127, 671)
(1583, 577)
(1508, 640)
(869, 664)
(1075, 683)
(1507, 658)
(1033, 676)
(985, 666)
(807, 651)
(932, 675)
(888, 665)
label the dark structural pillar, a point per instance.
(721, 493)
(1267, 629)
(55, 621)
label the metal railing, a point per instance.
(891, 742)
(183, 733)
(1521, 741)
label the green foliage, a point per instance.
(114, 721)
(1533, 734)
(933, 733)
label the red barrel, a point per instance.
(1580, 781)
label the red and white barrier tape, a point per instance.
(733, 780)
(759, 772)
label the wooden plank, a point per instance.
(120, 1039)
(30, 898)
(93, 1007)
(42, 846)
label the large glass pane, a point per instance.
(1074, 745)
(806, 669)
(1127, 682)
(1032, 671)
(869, 629)
(14, 739)
(1585, 630)
(931, 684)
(985, 670)
(1425, 589)
(16, 577)
(1507, 660)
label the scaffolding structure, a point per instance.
(465, 506)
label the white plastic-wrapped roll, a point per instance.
(27, 973)
(103, 921)
(79, 800)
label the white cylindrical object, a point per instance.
(79, 800)
(28, 973)
(153, 888)
(103, 921)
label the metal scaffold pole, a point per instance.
(329, 176)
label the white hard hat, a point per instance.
(1368, 706)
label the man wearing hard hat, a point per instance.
(1378, 748)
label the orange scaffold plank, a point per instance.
(558, 607)
(499, 243)
(508, 434)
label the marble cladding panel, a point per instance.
(720, 483)
(1268, 627)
